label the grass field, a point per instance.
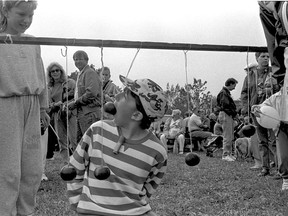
(214, 187)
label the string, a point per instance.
(102, 102)
(133, 60)
(269, 116)
(248, 80)
(66, 86)
(186, 73)
(8, 36)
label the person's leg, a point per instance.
(31, 160)
(255, 152)
(62, 134)
(227, 125)
(163, 140)
(272, 148)
(72, 131)
(44, 143)
(85, 121)
(282, 149)
(181, 140)
(263, 147)
(12, 113)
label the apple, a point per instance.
(192, 159)
(110, 108)
(248, 130)
(68, 173)
(102, 172)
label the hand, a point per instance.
(45, 119)
(71, 105)
(255, 109)
(58, 103)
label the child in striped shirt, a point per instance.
(137, 164)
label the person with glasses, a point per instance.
(56, 85)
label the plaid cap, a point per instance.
(151, 96)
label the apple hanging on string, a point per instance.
(110, 108)
(68, 173)
(192, 159)
(102, 173)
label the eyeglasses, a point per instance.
(57, 70)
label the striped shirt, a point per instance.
(136, 172)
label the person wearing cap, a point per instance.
(136, 158)
(174, 128)
(259, 85)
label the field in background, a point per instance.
(214, 187)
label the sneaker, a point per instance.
(181, 152)
(285, 184)
(44, 177)
(256, 167)
(50, 159)
(228, 158)
(264, 172)
(233, 157)
(272, 164)
(276, 176)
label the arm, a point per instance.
(166, 127)
(43, 97)
(92, 87)
(79, 160)
(155, 177)
(244, 96)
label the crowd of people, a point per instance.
(43, 109)
(266, 147)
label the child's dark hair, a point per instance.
(146, 121)
(230, 81)
(257, 54)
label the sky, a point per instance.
(223, 22)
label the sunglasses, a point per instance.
(57, 70)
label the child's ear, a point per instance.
(137, 116)
(4, 11)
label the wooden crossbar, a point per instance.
(128, 44)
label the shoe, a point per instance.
(50, 159)
(272, 164)
(44, 177)
(228, 158)
(180, 153)
(264, 172)
(233, 157)
(256, 167)
(210, 142)
(277, 176)
(285, 184)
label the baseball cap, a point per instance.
(151, 96)
(251, 65)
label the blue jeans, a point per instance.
(282, 150)
(84, 122)
(227, 125)
(267, 143)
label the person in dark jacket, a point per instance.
(227, 113)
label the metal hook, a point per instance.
(65, 54)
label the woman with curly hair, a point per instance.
(61, 90)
